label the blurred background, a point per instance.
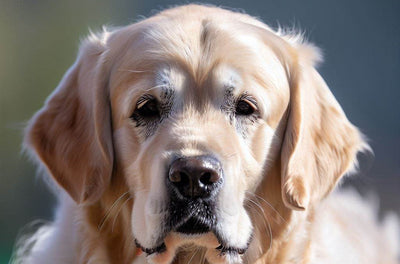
(39, 40)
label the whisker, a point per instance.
(194, 254)
(267, 225)
(154, 87)
(105, 217)
(203, 256)
(258, 205)
(119, 210)
(228, 156)
(269, 204)
(251, 207)
(133, 71)
(247, 258)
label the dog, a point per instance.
(200, 135)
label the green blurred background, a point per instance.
(39, 41)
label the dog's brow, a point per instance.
(166, 93)
(229, 90)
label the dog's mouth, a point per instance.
(224, 250)
(193, 222)
(159, 249)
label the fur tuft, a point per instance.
(26, 241)
(308, 52)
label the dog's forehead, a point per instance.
(219, 78)
(204, 59)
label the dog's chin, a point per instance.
(174, 242)
(187, 232)
(197, 233)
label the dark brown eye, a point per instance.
(245, 107)
(148, 108)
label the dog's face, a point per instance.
(194, 111)
(194, 133)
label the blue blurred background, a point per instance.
(39, 40)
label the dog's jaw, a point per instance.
(226, 241)
(147, 222)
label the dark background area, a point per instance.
(39, 40)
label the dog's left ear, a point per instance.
(71, 135)
(320, 144)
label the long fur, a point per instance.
(281, 162)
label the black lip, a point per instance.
(224, 247)
(231, 250)
(159, 249)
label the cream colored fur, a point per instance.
(280, 166)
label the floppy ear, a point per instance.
(71, 134)
(320, 144)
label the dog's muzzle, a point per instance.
(193, 184)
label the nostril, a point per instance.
(209, 178)
(176, 176)
(184, 178)
(205, 178)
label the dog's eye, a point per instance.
(245, 107)
(147, 108)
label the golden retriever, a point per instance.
(200, 135)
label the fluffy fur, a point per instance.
(280, 163)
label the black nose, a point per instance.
(196, 177)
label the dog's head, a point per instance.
(209, 117)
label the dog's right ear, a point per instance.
(71, 135)
(320, 143)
